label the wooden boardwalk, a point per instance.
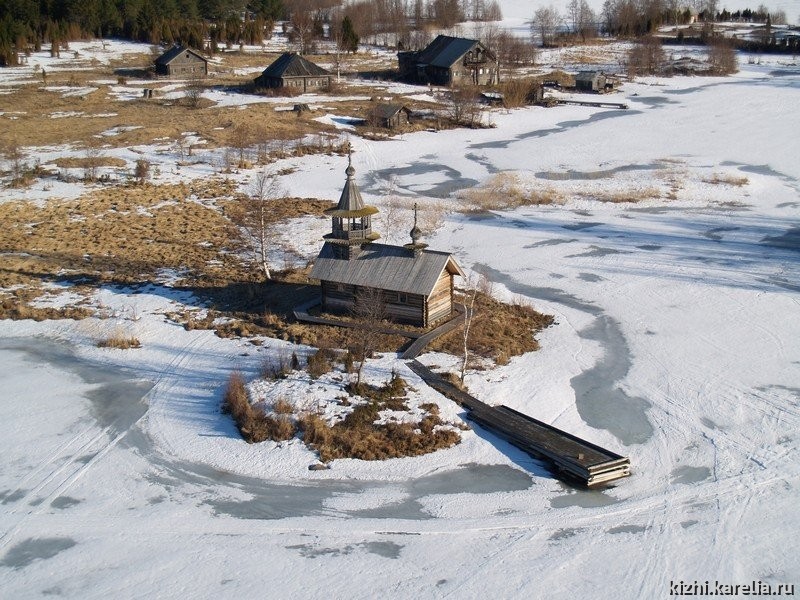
(593, 104)
(571, 457)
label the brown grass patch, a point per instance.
(504, 191)
(120, 342)
(722, 179)
(87, 162)
(499, 331)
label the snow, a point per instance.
(675, 343)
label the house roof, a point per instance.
(350, 202)
(175, 52)
(290, 64)
(385, 267)
(587, 75)
(387, 111)
(445, 51)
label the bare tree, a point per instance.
(253, 217)
(468, 296)
(240, 139)
(647, 57)
(465, 107)
(545, 22)
(369, 311)
(722, 57)
(91, 161)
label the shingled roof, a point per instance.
(445, 51)
(175, 52)
(290, 64)
(350, 202)
(387, 111)
(385, 267)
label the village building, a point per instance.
(181, 61)
(290, 70)
(415, 284)
(590, 81)
(389, 116)
(450, 61)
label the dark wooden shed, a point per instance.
(590, 81)
(181, 61)
(290, 70)
(389, 115)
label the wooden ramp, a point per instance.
(600, 104)
(571, 457)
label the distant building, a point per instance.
(450, 61)
(590, 81)
(181, 61)
(415, 284)
(389, 116)
(290, 70)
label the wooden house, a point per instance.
(389, 116)
(181, 61)
(290, 70)
(415, 284)
(590, 81)
(451, 61)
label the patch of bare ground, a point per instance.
(75, 162)
(499, 331)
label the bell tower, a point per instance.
(351, 219)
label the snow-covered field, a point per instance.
(676, 343)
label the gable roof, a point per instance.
(587, 75)
(290, 64)
(445, 51)
(175, 52)
(387, 111)
(385, 267)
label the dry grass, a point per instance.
(632, 195)
(499, 331)
(723, 179)
(504, 191)
(88, 162)
(120, 342)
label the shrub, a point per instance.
(254, 426)
(320, 362)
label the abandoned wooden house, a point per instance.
(590, 81)
(414, 284)
(290, 70)
(389, 116)
(181, 61)
(450, 61)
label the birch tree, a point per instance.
(253, 217)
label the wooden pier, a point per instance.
(593, 104)
(571, 457)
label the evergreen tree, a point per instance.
(349, 36)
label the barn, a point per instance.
(290, 70)
(451, 61)
(181, 61)
(414, 284)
